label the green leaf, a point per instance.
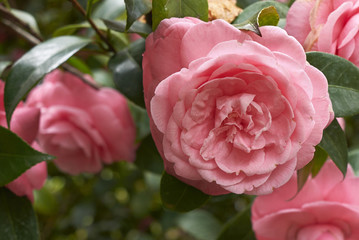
(239, 227)
(148, 158)
(320, 156)
(162, 9)
(344, 100)
(126, 67)
(3, 66)
(245, 3)
(79, 64)
(26, 18)
(137, 27)
(71, 28)
(141, 120)
(16, 156)
(31, 67)
(254, 8)
(338, 71)
(302, 176)
(266, 16)
(354, 160)
(200, 224)
(313, 167)
(135, 9)
(178, 196)
(109, 9)
(17, 217)
(335, 144)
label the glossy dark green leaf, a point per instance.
(200, 224)
(253, 9)
(3, 66)
(126, 67)
(31, 67)
(16, 156)
(162, 9)
(137, 27)
(239, 227)
(135, 9)
(335, 144)
(178, 196)
(320, 156)
(148, 158)
(17, 217)
(344, 100)
(72, 28)
(338, 71)
(264, 17)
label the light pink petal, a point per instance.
(205, 36)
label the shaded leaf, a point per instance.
(31, 67)
(17, 217)
(200, 224)
(71, 28)
(16, 156)
(354, 160)
(254, 8)
(335, 144)
(302, 176)
(162, 9)
(343, 100)
(135, 9)
(137, 27)
(126, 67)
(338, 71)
(178, 196)
(320, 156)
(148, 158)
(239, 227)
(142, 122)
(3, 66)
(313, 168)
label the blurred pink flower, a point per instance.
(25, 123)
(231, 111)
(330, 26)
(327, 208)
(83, 127)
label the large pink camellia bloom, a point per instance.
(83, 127)
(25, 123)
(231, 111)
(327, 208)
(326, 25)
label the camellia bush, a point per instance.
(179, 119)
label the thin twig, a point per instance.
(79, 74)
(33, 38)
(93, 25)
(21, 32)
(5, 13)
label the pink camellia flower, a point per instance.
(327, 208)
(25, 123)
(83, 127)
(231, 111)
(326, 25)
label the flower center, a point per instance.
(320, 232)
